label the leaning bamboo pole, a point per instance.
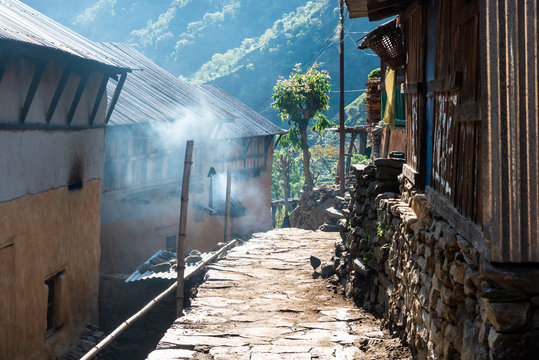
(120, 329)
(183, 225)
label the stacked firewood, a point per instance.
(372, 102)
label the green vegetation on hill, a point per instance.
(243, 46)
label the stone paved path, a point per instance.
(262, 302)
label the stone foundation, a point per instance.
(403, 261)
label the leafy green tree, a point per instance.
(298, 99)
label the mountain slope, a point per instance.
(243, 46)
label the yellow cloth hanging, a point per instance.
(389, 116)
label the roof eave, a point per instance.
(375, 9)
(42, 53)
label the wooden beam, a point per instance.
(379, 10)
(268, 141)
(464, 226)
(78, 94)
(58, 93)
(410, 173)
(412, 88)
(36, 79)
(244, 157)
(4, 60)
(99, 97)
(447, 83)
(115, 96)
(351, 130)
(247, 145)
(410, 10)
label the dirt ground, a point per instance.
(263, 302)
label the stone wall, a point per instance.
(320, 208)
(403, 261)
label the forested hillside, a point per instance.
(241, 45)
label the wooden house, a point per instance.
(144, 155)
(53, 114)
(471, 115)
(462, 277)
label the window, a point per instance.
(211, 175)
(53, 286)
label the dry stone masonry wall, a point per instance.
(403, 261)
(320, 208)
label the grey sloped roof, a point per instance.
(151, 94)
(247, 121)
(27, 30)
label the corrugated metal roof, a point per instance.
(247, 121)
(23, 27)
(357, 8)
(170, 274)
(153, 94)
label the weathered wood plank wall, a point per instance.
(456, 158)
(414, 87)
(509, 41)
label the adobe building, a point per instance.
(52, 137)
(445, 244)
(144, 155)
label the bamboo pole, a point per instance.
(120, 329)
(227, 206)
(183, 225)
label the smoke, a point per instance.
(191, 124)
(144, 168)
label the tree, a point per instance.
(298, 99)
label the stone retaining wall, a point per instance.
(400, 259)
(320, 208)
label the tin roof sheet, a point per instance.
(170, 274)
(247, 122)
(25, 28)
(153, 94)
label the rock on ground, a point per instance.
(263, 302)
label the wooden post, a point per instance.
(387, 139)
(227, 207)
(362, 143)
(285, 160)
(183, 225)
(350, 151)
(342, 134)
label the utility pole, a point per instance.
(342, 134)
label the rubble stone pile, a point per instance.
(401, 260)
(320, 208)
(89, 338)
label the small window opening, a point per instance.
(171, 242)
(211, 175)
(53, 298)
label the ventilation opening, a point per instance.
(53, 285)
(75, 177)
